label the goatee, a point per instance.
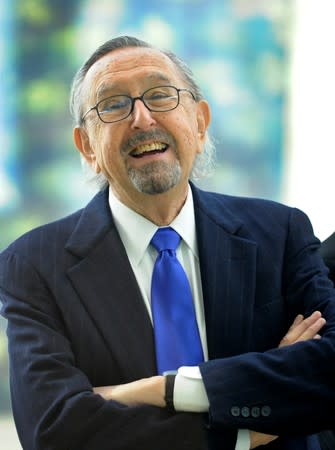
(156, 177)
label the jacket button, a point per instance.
(255, 411)
(245, 411)
(235, 411)
(265, 411)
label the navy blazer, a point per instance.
(76, 319)
(327, 251)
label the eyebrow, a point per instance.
(106, 89)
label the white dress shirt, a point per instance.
(136, 232)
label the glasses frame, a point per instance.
(133, 100)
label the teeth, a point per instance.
(148, 148)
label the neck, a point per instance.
(161, 209)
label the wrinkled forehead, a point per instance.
(129, 67)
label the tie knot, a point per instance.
(165, 239)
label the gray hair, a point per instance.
(203, 162)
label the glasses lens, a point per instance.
(161, 98)
(114, 108)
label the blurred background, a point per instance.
(265, 66)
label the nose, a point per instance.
(141, 117)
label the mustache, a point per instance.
(145, 136)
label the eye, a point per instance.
(157, 94)
(113, 104)
(161, 95)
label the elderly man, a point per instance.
(151, 318)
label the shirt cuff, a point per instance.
(189, 391)
(243, 440)
(190, 395)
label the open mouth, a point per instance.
(149, 149)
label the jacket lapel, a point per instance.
(108, 289)
(105, 282)
(227, 263)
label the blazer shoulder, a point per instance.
(240, 205)
(249, 216)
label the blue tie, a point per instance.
(176, 331)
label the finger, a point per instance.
(297, 321)
(312, 331)
(303, 329)
(259, 439)
(290, 334)
(302, 325)
(303, 334)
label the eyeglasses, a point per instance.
(156, 99)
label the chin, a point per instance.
(155, 179)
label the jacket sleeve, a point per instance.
(289, 390)
(53, 403)
(327, 251)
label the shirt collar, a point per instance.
(136, 231)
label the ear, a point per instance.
(82, 142)
(203, 120)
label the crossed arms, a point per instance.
(61, 344)
(151, 390)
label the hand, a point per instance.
(300, 330)
(303, 329)
(149, 391)
(257, 439)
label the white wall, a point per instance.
(310, 146)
